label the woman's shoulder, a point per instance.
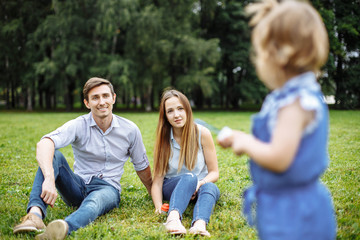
(206, 137)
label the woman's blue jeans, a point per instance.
(93, 199)
(179, 190)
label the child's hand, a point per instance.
(227, 141)
(240, 139)
(236, 141)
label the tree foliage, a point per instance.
(50, 48)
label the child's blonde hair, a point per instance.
(289, 38)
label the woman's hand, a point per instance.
(157, 210)
(156, 192)
(199, 184)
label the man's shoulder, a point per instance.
(82, 118)
(124, 122)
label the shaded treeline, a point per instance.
(50, 48)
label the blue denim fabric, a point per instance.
(178, 191)
(93, 199)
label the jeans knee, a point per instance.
(189, 178)
(102, 201)
(211, 189)
(58, 158)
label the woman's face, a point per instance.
(175, 112)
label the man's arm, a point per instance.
(45, 149)
(146, 179)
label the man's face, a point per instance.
(100, 101)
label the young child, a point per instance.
(288, 148)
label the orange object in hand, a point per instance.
(165, 208)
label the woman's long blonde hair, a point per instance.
(189, 145)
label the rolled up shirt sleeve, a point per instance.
(64, 135)
(137, 151)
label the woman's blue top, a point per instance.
(200, 170)
(293, 204)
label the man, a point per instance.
(102, 142)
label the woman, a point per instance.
(185, 165)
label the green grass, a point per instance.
(135, 218)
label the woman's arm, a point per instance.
(156, 192)
(208, 145)
(278, 154)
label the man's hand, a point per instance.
(49, 193)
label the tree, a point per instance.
(50, 48)
(168, 50)
(236, 77)
(17, 24)
(341, 19)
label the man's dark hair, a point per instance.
(95, 82)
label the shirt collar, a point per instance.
(114, 122)
(92, 121)
(172, 135)
(172, 139)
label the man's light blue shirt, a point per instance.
(98, 153)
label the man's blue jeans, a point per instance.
(179, 190)
(93, 199)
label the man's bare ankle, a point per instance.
(37, 211)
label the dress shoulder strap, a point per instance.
(199, 130)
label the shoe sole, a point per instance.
(177, 233)
(195, 231)
(26, 229)
(56, 230)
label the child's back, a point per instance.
(288, 149)
(293, 204)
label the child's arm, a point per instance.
(278, 154)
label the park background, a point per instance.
(200, 47)
(50, 48)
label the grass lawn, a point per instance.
(135, 218)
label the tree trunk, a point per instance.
(12, 89)
(229, 87)
(29, 106)
(48, 99)
(148, 97)
(69, 98)
(340, 94)
(40, 92)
